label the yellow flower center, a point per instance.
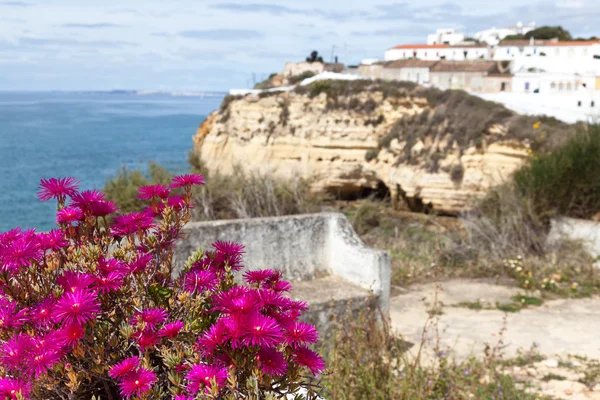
(137, 383)
(257, 328)
(75, 306)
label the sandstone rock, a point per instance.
(290, 135)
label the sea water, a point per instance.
(89, 136)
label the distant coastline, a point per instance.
(174, 93)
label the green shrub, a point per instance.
(565, 181)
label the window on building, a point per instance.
(534, 51)
(585, 51)
(557, 52)
(437, 54)
(526, 85)
(571, 52)
(553, 85)
(561, 86)
(507, 51)
(568, 86)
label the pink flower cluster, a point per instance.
(96, 293)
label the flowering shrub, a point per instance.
(97, 309)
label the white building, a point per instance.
(445, 36)
(573, 51)
(436, 52)
(494, 35)
(552, 82)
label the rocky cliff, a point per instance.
(430, 149)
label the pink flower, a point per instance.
(187, 180)
(70, 334)
(11, 315)
(309, 359)
(11, 388)
(57, 188)
(234, 326)
(20, 250)
(69, 215)
(183, 397)
(215, 335)
(75, 280)
(140, 263)
(300, 334)
(259, 276)
(270, 298)
(124, 367)
(271, 362)
(147, 339)
(42, 359)
(151, 316)
(132, 223)
(53, 240)
(202, 376)
(108, 265)
(153, 191)
(110, 282)
(177, 202)
(41, 315)
(230, 249)
(262, 331)
(103, 208)
(281, 286)
(14, 352)
(86, 199)
(77, 307)
(171, 330)
(200, 281)
(137, 382)
(237, 300)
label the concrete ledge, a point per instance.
(588, 232)
(305, 247)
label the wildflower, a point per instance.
(137, 382)
(271, 362)
(42, 360)
(309, 359)
(124, 367)
(110, 282)
(103, 208)
(270, 298)
(70, 334)
(200, 281)
(537, 125)
(140, 263)
(11, 315)
(14, 351)
(69, 215)
(53, 240)
(259, 276)
(132, 223)
(262, 331)
(237, 300)
(203, 376)
(147, 339)
(235, 329)
(177, 202)
(77, 307)
(574, 286)
(153, 191)
(518, 269)
(187, 180)
(171, 330)
(41, 315)
(300, 333)
(282, 286)
(21, 251)
(108, 265)
(12, 388)
(86, 199)
(151, 316)
(213, 337)
(57, 188)
(75, 280)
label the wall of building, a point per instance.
(546, 82)
(418, 75)
(474, 81)
(494, 84)
(303, 247)
(570, 53)
(370, 70)
(293, 69)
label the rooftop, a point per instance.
(551, 42)
(411, 64)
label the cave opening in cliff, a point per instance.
(379, 192)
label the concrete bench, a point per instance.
(320, 254)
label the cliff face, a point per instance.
(351, 140)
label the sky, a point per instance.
(208, 45)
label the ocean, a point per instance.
(89, 136)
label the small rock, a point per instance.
(550, 363)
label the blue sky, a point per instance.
(216, 45)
